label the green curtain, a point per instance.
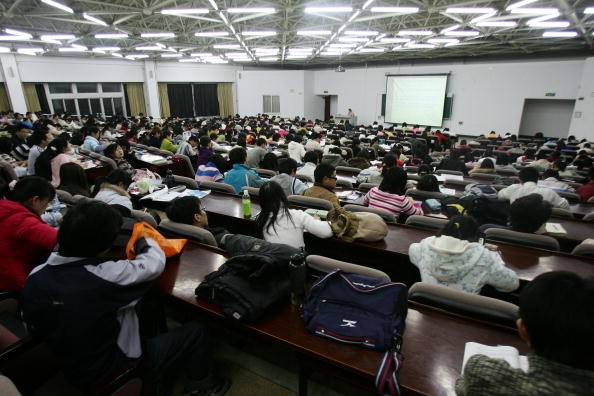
(164, 101)
(135, 92)
(4, 101)
(31, 98)
(225, 96)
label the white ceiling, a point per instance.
(363, 34)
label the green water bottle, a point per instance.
(246, 204)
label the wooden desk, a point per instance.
(433, 342)
(178, 168)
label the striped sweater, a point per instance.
(393, 203)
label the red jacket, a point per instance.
(586, 191)
(25, 242)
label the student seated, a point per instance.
(311, 159)
(116, 153)
(528, 179)
(334, 157)
(286, 178)
(242, 175)
(113, 189)
(85, 306)
(295, 148)
(556, 311)
(550, 179)
(25, 240)
(325, 183)
(51, 159)
(587, 190)
(167, 142)
(91, 142)
(428, 183)
(256, 154)
(528, 214)
(189, 210)
(279, 224)
(213, 170)
(361, 160)
(453, 163)
(270, 162)
(486, 166)
(188, 148)
(73, 180)
(390, 194)
(453, 258)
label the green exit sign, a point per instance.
(550, 94)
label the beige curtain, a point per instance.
(135, 93)
(164, 101)
(225, 96)
(31, 98)
(4, 101)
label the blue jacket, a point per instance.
(241, 175)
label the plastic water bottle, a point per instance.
(246, 204)
(297, 276)
(169, 181)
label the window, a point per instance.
(111, 87)
(96, 106)
(58, 105)
(86, 98)
(86, 87)
(83, 106)
(60, 88)
(270, 104)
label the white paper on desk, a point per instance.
(507, 353)
(153, 159)
(440, 178)
(452, 177)
(555, 229)
(447, 191)
(162, 195)
(195, 193)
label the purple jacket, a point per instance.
(203, 156)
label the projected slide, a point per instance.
(416, 99)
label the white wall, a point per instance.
(195, 72)
(313, 104)
(289, 85)
(582, 123)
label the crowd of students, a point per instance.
(59, 271)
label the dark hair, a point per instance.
(73, 179)
(269, 161)
(529, 213)
(323, 170)
(237, 155)
(272, 201)
(43, 166)
(110, 150)
(288, 166)
(114, 177)
(37, 136)
(551, 173)
(183, 209)
(388, 162)
(219, 161)
(487, 164)
(528, 174)
(461, 227)
(394, 181)
(260, 141)
(557, 309)
(205, 141)
(425, 170)
(31, 186)
(88, 229)
(312, 156)
(428, 183)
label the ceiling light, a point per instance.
(497, 24)
(367, 4)
(184, 11)
(398, 10)
(300, 49)
(535, 11)
(11, 37)
(261, 33)
(30, 51)
(330, 53)
(188, 60)
(18, 33)
(520, 4)
(290, 57)
(149, 48)
(442, 41)
(226, 46)
(355, 15)
(391, 40)
(47, 37)
(255, 10)
(72, 49)
(549, 24)
(4, 49)
(268, 59)
(361, 32)
(58, 5)
(211, 34)
(111, 35)
(312, 10)
(235, 54)
(139, 56)
(202, 54)
(462, 33)
(415, 33)
(353, 39)
(216, 60)
(371, 50)
(469, 10)
(560, 34)
(589, 10)
(453, 27)
(242, 60)
(117, 55)
(106, 48)
(314, 32)
(171, 55)
(343, 45)
(94, 19)
(162, 35)
(482, 17)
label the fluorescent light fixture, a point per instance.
(343, 45)
(397, 10)
(370, 50)
(111, 35)
(71, 49)
(324, 10)
(139, 56)
(588, 10)
(201, 54)
(12, 37)
(392, 40)
(216, 60)
(415, 33)
(361, 32)
(260, 33)
(519, 4)
(160, 35)
(213, 4)
(211, 34)
(314, 32)
(292, 57)
(497, 24)
(353, 39)
(94, 19)
(268, 59)
(549, 24)
(4, 50)
(453, 27)
(301, 49)
(462, 33)
(30, 51)
(47, 37)
(226, 46)
(442, 41)
(355, 15)
(367, 4)
(469, 10)
(223, 18)
(171, 55)
(264, 49)
(18, 33)
(58, 5)
(330, 53)
(117, 55)
(419, 46)
(235, 54)
(242, 60)
(482, 17)
(109, 49)
(189, 60)
(535, 11)
(560, 34)
(149, 48)
(184, 11)
(255, 10)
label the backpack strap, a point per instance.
(386, 377)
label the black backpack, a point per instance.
(486, 210)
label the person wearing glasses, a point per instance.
(325, 183)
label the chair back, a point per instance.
(586, 248)
(218, 186)
(9, 171)
(188, 167)
(83, 150)
(186, 181)
(304, 178)
(325, 265)
(484, 176)
(144, 216)
(412, 169)
(388, 217)
(265, 172)
(194, 233)
(364, 187)
(448, 172)
(463, 303)
(423, 195)
(569, 196)
(561, 213)
(310, 202)
(344, 183)
(589, 216)
(432, 223)
(347, 169)
(110, 162)
(253, 191)
(65, 196)
(522, 238)
(590, 200)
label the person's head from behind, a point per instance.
(425, 170)
(88, 229)
(41, 138)
(261, 142)
(72, 174)
(394, 181)
(205, 142)
(312, 156)
(219, 162)
(325, 175)
(33, 192)
(529, 213)
(273, 202)
(237, 155)
(487, 164)
(193, 140)
(187, 210)
(270, 162)
(428, 183)
(288, 166)
(116, 177)
(550, 173)
(528, 174)
(556, 311)
(461, 227)
(114, 151)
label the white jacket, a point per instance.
(296, 151)
(291, 232)
(516, 191)
(114, 195)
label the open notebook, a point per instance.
(507, 353)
